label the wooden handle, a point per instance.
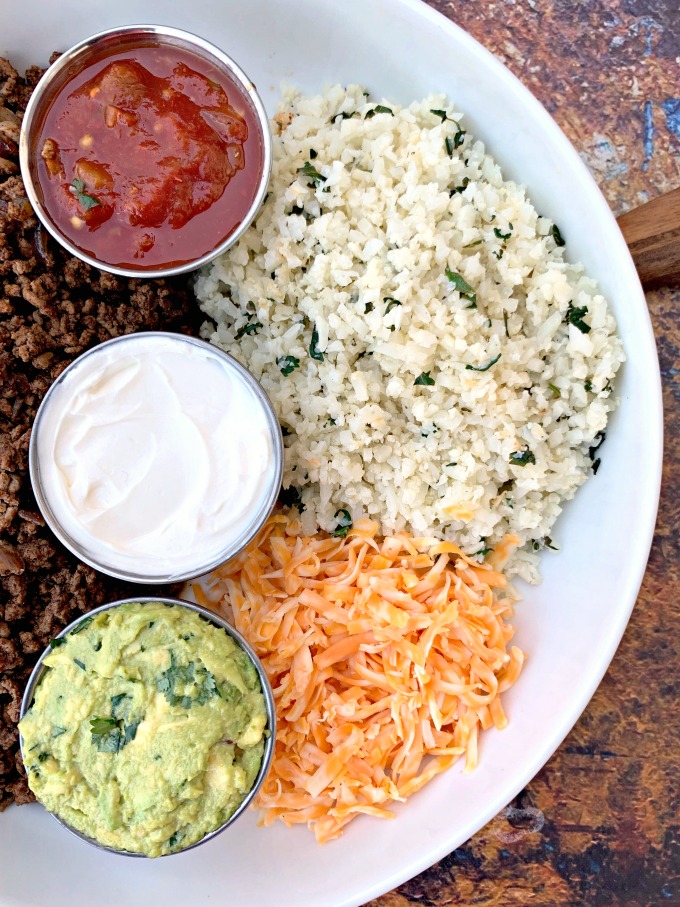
(652, 232)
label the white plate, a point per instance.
(570, 626)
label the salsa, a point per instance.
(149, 157)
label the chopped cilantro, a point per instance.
(575, 316)
(251, 328)
(554, 389)
(463, 186)
(130, 731)
(440, 113)
(452, 143)
(343, 115)
(505, 324)
(391, 303)
(483, 368)
(77, 188)
(463, 287)
(344, 523)
(424, 379)
(100, 726)
(369, 308)
(311, 173)
(207, 689)
(59, 641)
(291, 497)
(287, 364)
(314, 350)
(201, 681)
(175, 839)
(522, 457)
(598, 441)
(110, 735)
(500, 235)
(81, 626)
(116, 702)
(557, 236)
(379, 108)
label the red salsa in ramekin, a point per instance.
(147, 156)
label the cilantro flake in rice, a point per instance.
(383, 217)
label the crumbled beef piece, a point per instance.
(52, 308)
(10, 689)
(19, 792)
(11, 562)
(10, 655)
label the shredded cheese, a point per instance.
(386, 657)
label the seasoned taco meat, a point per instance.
(52, 308)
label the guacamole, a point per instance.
(147, 730)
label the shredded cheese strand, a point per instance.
(386, 658)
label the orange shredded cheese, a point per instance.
(386, 657)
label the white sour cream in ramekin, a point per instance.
(157, 456)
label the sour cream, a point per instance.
(155, 456)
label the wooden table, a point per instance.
(599, 825)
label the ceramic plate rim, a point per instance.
(597, 667)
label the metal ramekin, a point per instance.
(115, 39)
(228, 552)
(270, 738)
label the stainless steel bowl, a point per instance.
(270, 739)
(258, 518)
(70, 63)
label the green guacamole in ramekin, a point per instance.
(146, 730)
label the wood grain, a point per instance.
(652, 232)
(599, 826)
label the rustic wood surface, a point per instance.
(599, 825)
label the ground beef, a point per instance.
(52, 308)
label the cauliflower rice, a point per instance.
(434, 361)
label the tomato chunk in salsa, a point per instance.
(149, 158)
